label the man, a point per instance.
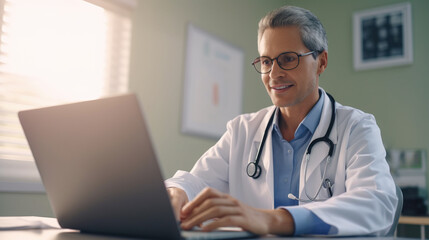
(251, 178)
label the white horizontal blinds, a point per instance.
(15, 94)
(53, 52)
(118, 40)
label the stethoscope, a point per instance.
(254, 170)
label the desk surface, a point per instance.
(414, 220)
(65, 234)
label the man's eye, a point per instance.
(288, 59)
(266, 62)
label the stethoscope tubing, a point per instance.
(254, 170)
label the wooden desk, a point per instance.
(422, 221)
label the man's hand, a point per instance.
(225, 211)
(178, 199)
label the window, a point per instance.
(54, 52)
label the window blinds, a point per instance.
(54, 52)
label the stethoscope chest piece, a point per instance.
(253, 170)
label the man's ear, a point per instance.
(323, 62)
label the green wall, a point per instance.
(157, 70)
(396, 96)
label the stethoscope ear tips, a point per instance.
(253, 170)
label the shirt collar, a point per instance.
(313, 117)
(309, 123)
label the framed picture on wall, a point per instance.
(382, 37)
(213, 84)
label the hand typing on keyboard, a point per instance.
(226, 211)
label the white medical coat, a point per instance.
(364, 196)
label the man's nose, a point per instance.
(276, 70)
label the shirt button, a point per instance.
(289, 151)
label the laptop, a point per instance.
(100, 170)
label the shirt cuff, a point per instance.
(306, 222)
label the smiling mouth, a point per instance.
(281, 87)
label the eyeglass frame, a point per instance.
(276, 58)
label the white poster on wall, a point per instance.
(213, 84)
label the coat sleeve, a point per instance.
(211, 170)
(367, 203)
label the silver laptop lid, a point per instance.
(99, 168)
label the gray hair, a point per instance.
(313, 34)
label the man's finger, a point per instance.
(178, 200)
(211, 213)
(227, 221)
(199, 199)
(211, 204)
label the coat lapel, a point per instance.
(319, 151)
(266, 158)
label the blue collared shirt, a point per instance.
(287, 157)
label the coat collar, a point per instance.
(320, 130)
(325, 119)
(263, 125)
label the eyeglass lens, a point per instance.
(286, 61)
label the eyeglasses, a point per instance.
(286, 61)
